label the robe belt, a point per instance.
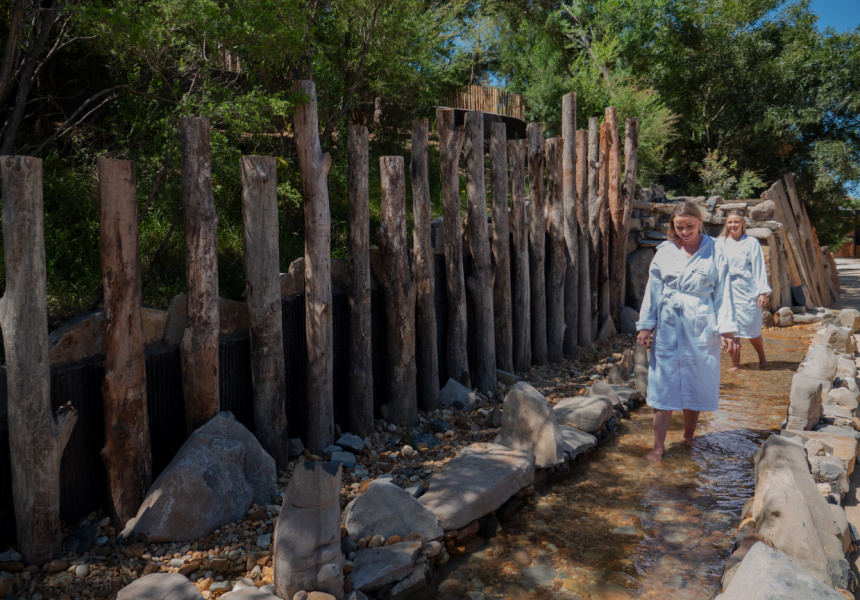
(672, 297)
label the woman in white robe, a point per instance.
(748, 276)
(688, 308)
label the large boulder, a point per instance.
(841, 397)
(843, 446)
(638, 263)
(374, 568)
(232, 318)
(804, 407)
(307, 535)
(528, 424)
(160, 586)
(458, 395)
(850, 318)
(763, 211)
(387, 509)
(587, 413)
(607, 390)
(820, 363)
(841, 339)
(84, 336)
(218, 473)
(476, 482)
(629, 317)
(789, 511)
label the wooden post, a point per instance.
(537, 243)
(399, 292)
(618, 232)
(605, 226)
(571, 228)
(501, 247)
(199, 347)
(480, 284)
(594, 209)
(126, 454)
(37, 435)
(314, 165)
(521, 311)
(584, 329)
(425, 289)
(450, 145)
(556, 264)
(631, 161)
(263, 291)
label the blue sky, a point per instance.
(842, 15)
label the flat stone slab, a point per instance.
(386, 509)
(528, 424)
(844, 446)
(807, 318)
(476, 482)
(374, 568)
(587, 413)
(628, 395)
(576, 442)
(160, 586)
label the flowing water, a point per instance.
(620, 527)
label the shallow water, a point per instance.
(620, 527)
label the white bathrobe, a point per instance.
(688, 304)
(748, 275)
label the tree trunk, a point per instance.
(360, 348)
(501, 247)
(631, 154)
(521, 310)
(618, 232)
(425, 288)
(584, 333)
(199, 346)
(571, 228)
(556, 263)
(127, 454)
(37, 435)
(480, 283)
(262, 267)
(537, 243)
(594, 210)
(314, 165)
(450, 145)
(399, 292)
(605, 226)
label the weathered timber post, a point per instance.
(262, 265)
(480, 283)
(358, 242)
(571, 229)
(501, 247)
(537, 243)
(521, 310)
(199, 347)
(605, 226)
(399, 292)
(556, 264)
(127, 454)
(594, 209)
(37, 436)
(314, 165)
(618, 231)
(584, 333)
(425, 289)
(631, 154)
(450, 145)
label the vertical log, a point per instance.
(501, 247)
(521, 310)
(584, 333)
(425, 301)
(37, 435)
(594, 210)
(537, 243)
(314, 165)
(450, 145)
(618, 232)
(556, 264)
(480, 284)
(605, 226)
(126, 454)
(262, 265)
(199, 347)
(631, 162)
(399, 293)
(571, 228)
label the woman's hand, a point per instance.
(762, 300)
(644, 338)
(729, 341)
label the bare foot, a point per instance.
(732, 369)
(655, 456)
(688, 441)
(762, 366)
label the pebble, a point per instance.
(176, 562)
(82, 571)
(407, 450)
(220, 586)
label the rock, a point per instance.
(295, 447)
(476, 482)
(829, 469)
(845, 366)
(841, 397)
(330, 449)
(576, 442)
(307, 535)
(767, 319)
(384, 508)
(376, 567)
(232, 318)
(807, 318)
(10, 555)
(762, 211)
(804, 401)
(57, 565)
(214, 478)
(347, 459)
(607, 330)
(837, 415)
(495, 419)
(638, 263)
(819, 363)
(263, 541)
(628, 395)
(783, 320)
(768, 574)
(842, 527)
(411, 586)
(293, 281)
(759, 233)
(351, 442)
(614, 377)
(457, 395)
(528, 424)
(587, 413)
(168, 586)
(423, 440)
(841, 339)
(602, 388)
(789, 511)
(248, 594)
(850, 318)
(507, 378)
(629, 317)
(440, 426)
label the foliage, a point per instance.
(720, 177)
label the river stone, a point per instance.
(767, 319)
(638, 263)
(841, 397)
(602, 388)
(413, 584)
(351, 442)
(214, 478)
(759, 233)
(476, 482)
(160, 586)
(819, 362)
(386, 509)
(628, 395)
(374, 568)
(784, 319)
(629, 317)
(607, 330)
(576, 442)
(829, 469)
(307, 552)
(806, 319)
(804, 402)
(459, 396)
(850, 318)
(762, 211)
(842, 526)
(837, 415)
(587, 413)
(845, 366)
(248, 593)
(528, 424)
(841, 339)
(789, 511)
(768, 574)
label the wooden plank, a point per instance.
(520, 311)
(571, 227)
(584, 333)
(537, 243)
(617, 232)
(811, 252)
(556, 264)
(792, 232)
(501, 247)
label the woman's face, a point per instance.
(686, 227)
(735, 226)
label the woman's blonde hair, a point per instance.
(735, 213)
(684, 209)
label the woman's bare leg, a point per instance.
(758, 346)
(691, 419)
(736, 357)
(661, 427)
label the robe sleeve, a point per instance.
(759, 270)
(723, 302)
(653, 296)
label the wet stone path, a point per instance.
(620, 527)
